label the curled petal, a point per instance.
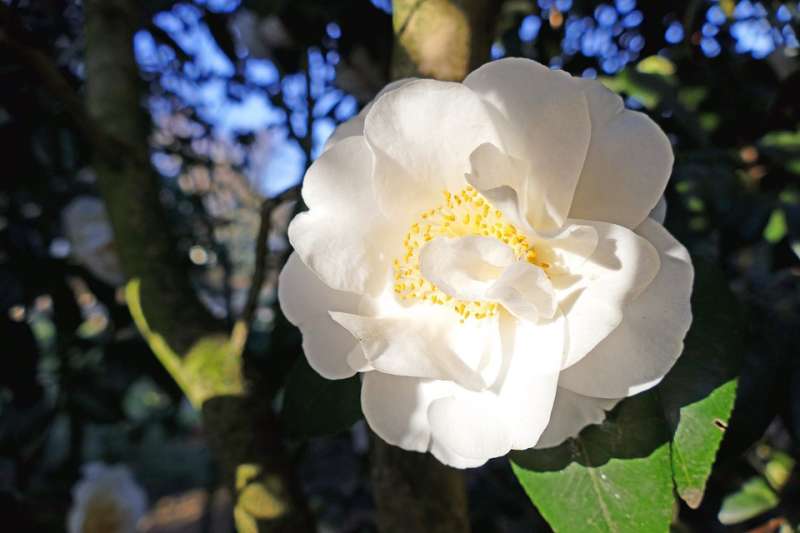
(620, 267)
(550, 128)
(525, 291)
(465, 267)
(650, 338)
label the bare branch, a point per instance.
(262, 252)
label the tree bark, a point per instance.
(445, 40)
(442, 39)
(128, 183)
(203, 357)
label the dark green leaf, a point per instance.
(698, 394)
(614, 477)
(315, 406)
(619, 475)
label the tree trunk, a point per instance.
(445, 40)
(203, 358)
(442, 39)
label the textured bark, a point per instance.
(441, 39)
(128, 183)
(203, 357)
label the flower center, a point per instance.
(461, 214)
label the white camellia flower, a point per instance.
(482, 253)
(107, 499)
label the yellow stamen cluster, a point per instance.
(462, 214)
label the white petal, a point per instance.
(355, 126)
(428, 343)
(396, 408)
(622, 265)
(306, 300)
(525, 291)
(464, 267)
(551, 128)
(468, 429)
(346, 254)
(527, 383)
(422, 135)
(504, 181)
(628, 163)
(650, 338)
(571, 413)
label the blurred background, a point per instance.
(237, 97)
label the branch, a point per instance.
(262, 252)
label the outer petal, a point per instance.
(345, 255)
(428, 344)
(422, 135)
(551, 127)
(638, 354)
(396, 408)
(622, 265)
(528, 382)
(628, 164)
(469, 429)
(306, 300)
(355, 126)
(571, 413)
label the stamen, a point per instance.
(463, 213)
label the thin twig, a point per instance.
(262, 252)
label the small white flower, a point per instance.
(106, 500)
(482, 253)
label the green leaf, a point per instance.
(776, 227)
(656, 65)
(754, 499)
(614, 477)
(697, 396)
(314, 405)
(212, 365)
(619, 476)
(779, 469)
